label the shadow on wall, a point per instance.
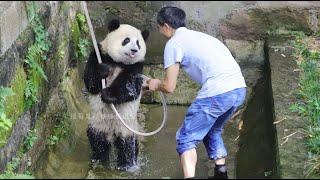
(258, 147)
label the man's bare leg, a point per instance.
(221, 161)
(188, 161)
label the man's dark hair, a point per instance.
(173, 16)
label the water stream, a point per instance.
(157, 159)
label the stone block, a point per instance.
(13, 20)
(249, 53)
(185, 92)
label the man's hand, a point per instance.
(168, 85)
(154, 84)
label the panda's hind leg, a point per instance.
(127, 152)
(100, 146)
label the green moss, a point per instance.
(60, 54)
(79, 35)
(9, 173)
(15, 104)
(75, 32)
(112, 10)
(61, 130)
(29, 141)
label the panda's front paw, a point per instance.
(106, 96)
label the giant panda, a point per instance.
(122, 53)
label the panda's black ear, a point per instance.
(145, 34)
(113, 25)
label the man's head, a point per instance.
(169, 19)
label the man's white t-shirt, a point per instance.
(206, 60)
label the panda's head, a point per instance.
(124, 43)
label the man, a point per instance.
(208, 62)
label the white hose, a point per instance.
(143, 133)
(163, 100)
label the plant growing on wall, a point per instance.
(11, 167)
(61, 131)
(79, 35)
(29, 140)
(36, 56)
(5, 123)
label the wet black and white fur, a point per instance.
(122, 53)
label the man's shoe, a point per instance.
(220, 175)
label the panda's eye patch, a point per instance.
(125, 41)
(138, 44)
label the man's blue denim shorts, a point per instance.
(205, 120)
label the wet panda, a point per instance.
(122, 53)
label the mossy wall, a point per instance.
(58, 97)
(15, 104)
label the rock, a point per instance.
(247, 53)
(13, 21)
(256, 22)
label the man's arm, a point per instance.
(168, 85)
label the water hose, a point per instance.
(163, 100)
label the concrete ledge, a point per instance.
(293, 154)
